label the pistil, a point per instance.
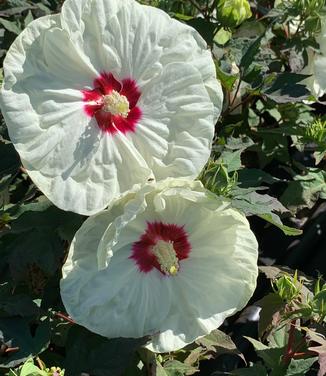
(116, 104)
(166, 257)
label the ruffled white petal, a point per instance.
(175, 133)
(319, 85)
(317, 65)
(79, 167)
(148, 40)
(112, 297)
(316, 68)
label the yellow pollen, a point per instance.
(166, 257)
(116, 104)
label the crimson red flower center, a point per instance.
(161, 246)
(113, 103)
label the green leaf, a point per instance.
(250, 54)
(11, 26)
(279, 336)
(319, 156)
(222, 36)
(270, 304)
(255, 370)
(273, 147)
(305, 190)
(39, 247)
(29, 369)
(17, 304)
(253, 203)
(44, 8)
(300, 367)
(276, 221)
(160, 371)
(231, 155)
(176, 368)
(321, 351)
(29, 18)
(41, 204)
(253, 177)
(227, 79)
(219, 343)
(286, 89)
(16, 333)
(271, 356)
(89, 352)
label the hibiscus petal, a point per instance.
(115, 298)
(106, 96)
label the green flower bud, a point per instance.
(232, 13)
(287, 287)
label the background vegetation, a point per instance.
(268, 159)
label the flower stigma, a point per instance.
(166, 257)
(116, 104)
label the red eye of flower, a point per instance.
(113, 103)
(161, 246)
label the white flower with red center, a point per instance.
(170, 261)
(107, 95)
(317, 65)
(113, 104)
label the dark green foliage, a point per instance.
(268, 160)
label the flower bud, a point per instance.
(286, 287)
(232, 13)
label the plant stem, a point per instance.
(289, 349)
(66, 318)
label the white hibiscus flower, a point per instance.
(171, 261)
(317, 65)
(106, 95)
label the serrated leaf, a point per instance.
(231, 155)
(300, 367)
(320, 350)
(305, 190)
(286, 88)
(253, 177)
(197, 354)
(219, 343)
(176, 368)
(250, 53)
(271, 356)
(253, 203)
